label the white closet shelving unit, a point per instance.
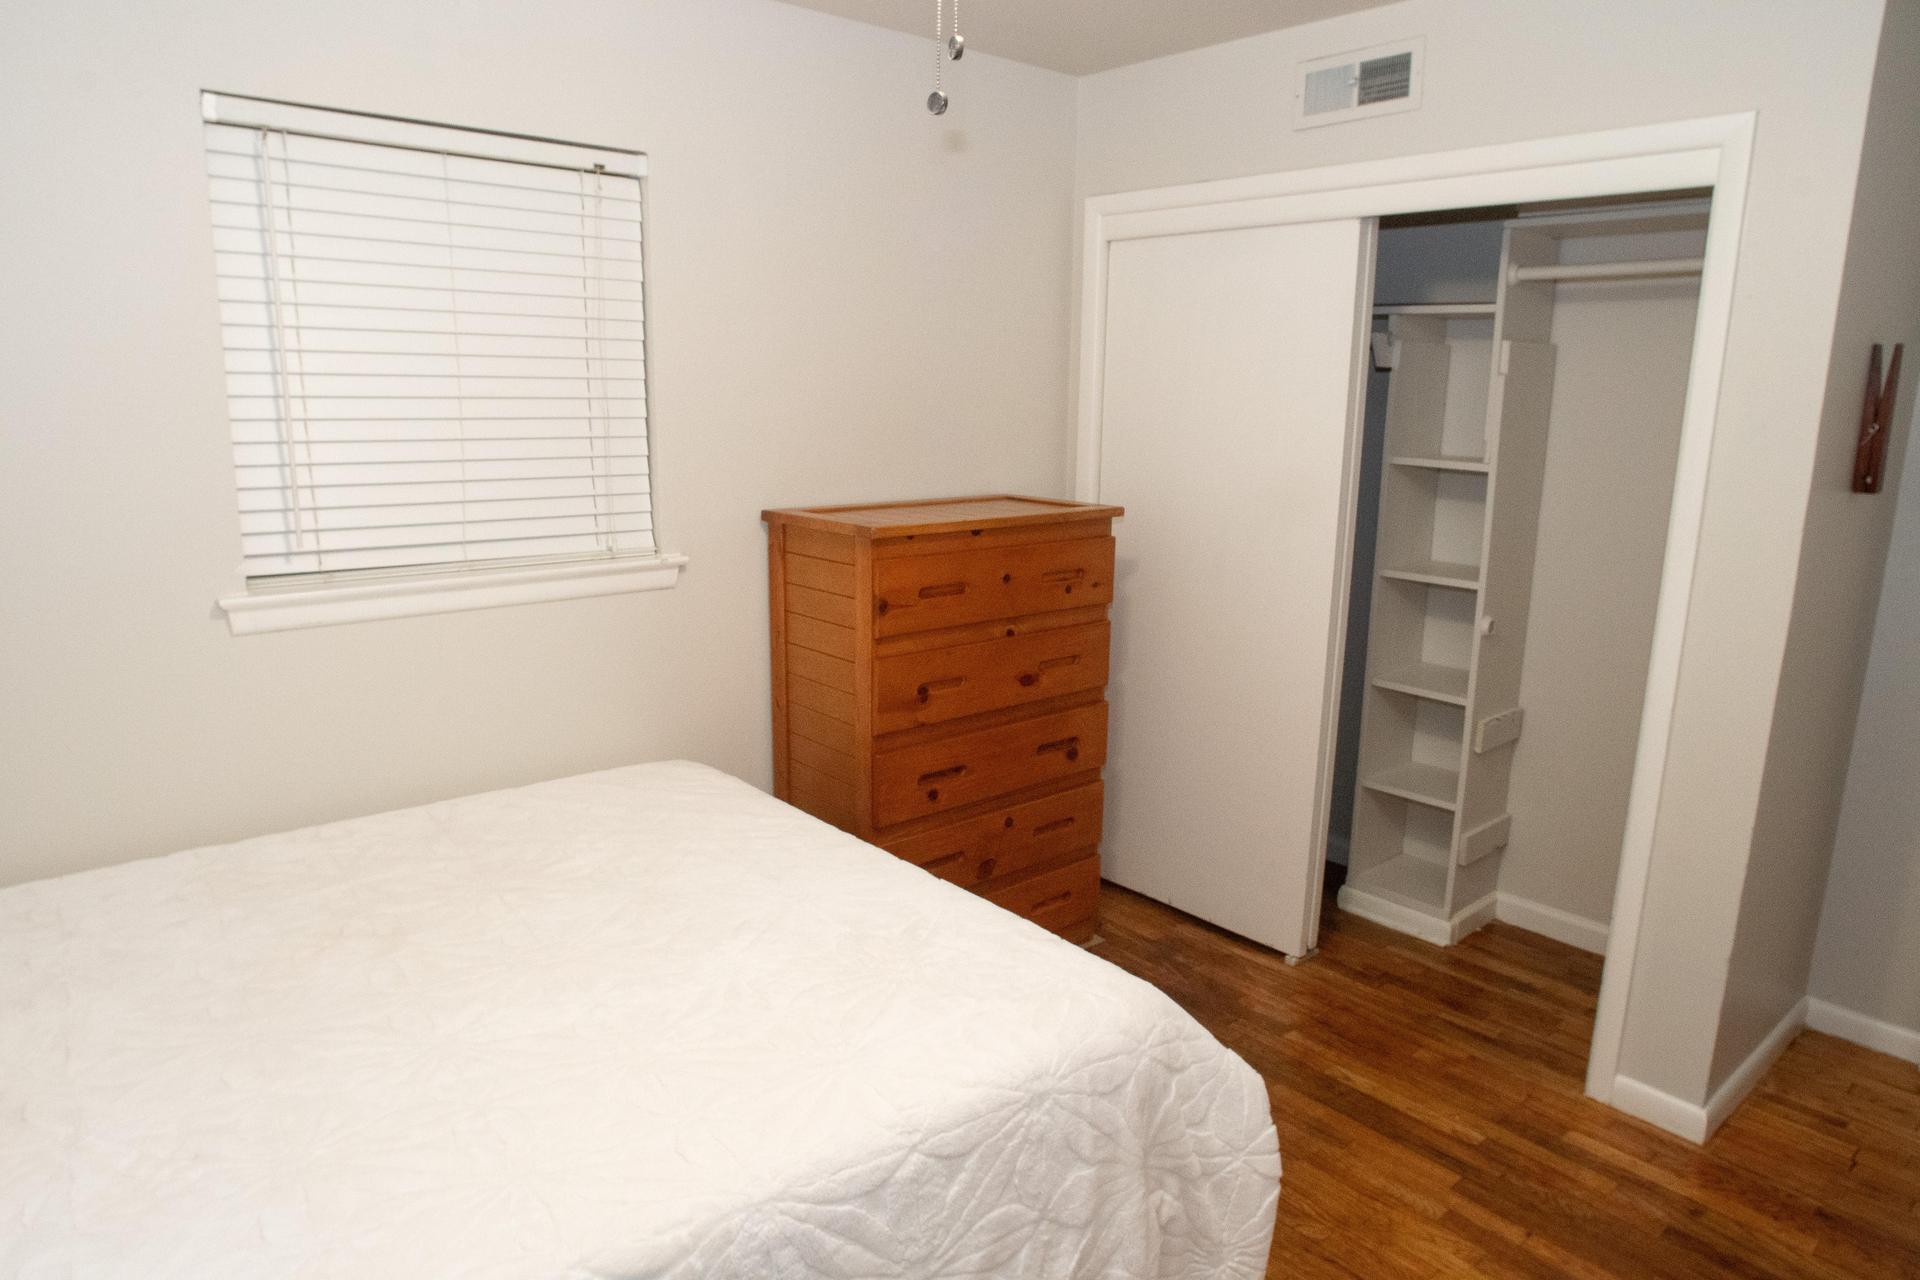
(1468, 400)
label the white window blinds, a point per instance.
(435, 343)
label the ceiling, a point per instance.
(1083, 36)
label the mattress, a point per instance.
(646, 1022)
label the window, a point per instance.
(435, 360)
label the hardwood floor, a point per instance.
(1432, 1124)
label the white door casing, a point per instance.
(1711, 152)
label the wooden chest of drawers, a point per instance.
(938, 672)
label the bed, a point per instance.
(645, 1022)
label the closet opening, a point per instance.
(1527, 378)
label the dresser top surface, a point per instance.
(939, 515)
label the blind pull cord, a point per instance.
(281, 348)
(459, 364)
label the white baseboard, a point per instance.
(1864, 1030)
(1427, 928)
(1522, 913)
(1722, 1101)
(1386, 912)
(1662, 1110)
(1467, 919)
(1692, 1121)
(1552, 922)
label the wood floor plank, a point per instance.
(1432, 1123)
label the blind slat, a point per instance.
(247, 218)
(432, 359)
(260, 517)
(452, 554)
(243, 180)
(330, 497)
(471, 483)
(471, 317)
(415, 515)
(468, 533)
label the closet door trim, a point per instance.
(1713, 152)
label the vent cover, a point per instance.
(1364, 82)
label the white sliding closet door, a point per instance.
(1232, 367)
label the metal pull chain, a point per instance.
(937, 100)
(945, 45)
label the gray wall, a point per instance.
(850, 300)
(1868, 954)
(1620, 384)
(1869, 932)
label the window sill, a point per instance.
(250, 612)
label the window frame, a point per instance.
(327, 597)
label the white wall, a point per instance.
(1868, 955)
(850, 300)
(1516, 69)
(1621, 352)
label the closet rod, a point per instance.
(1516, 274)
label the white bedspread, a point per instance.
(645, 1022)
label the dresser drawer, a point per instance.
(1065, 900)
(919, 593)
(1007, 841)
(944, 684)
(933, 777)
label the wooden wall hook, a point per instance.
(1876, 421)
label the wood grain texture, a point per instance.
(777, 621)
(1013, 535)
(1008, 841)
(920, 593)
(933, 777)
(966, 732)
(829, 576)
(1432, 1123)
(1065, 899)
(935, 685)
(938, 515)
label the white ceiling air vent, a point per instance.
(1364, 82)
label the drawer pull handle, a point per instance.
(943, 589)
(944, 859)
(880, 607)
(985, 870)
(952, 771)
(1070, 746)
(1054, 901)
(1028, 679)
(1048, 828)
(931, 687)
(1063, 575)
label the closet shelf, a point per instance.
(1478, 466)
(1428, 680)
(1427, 784)
(1406, 880)
(1435, 309)
(1436, 573)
